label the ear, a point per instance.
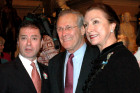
(83, 30)
(113, 25)
(111, 30)
(17, 43)
(42, 41)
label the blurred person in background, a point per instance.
(4, 57)
(48, 50)
(10, 22)
(127, 29)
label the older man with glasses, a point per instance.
(68, 74)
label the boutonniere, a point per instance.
(105, 62)
(45, 75)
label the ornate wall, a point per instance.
(25, 6)
(121, 6)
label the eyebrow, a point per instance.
(63, 27)
(31, 35)
(93, 18)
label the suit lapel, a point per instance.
(44, 77)
(85, 69)
(23, 75)
(61, 73)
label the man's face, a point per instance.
(29, 42)
(70, 35)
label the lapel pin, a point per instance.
(45, 75)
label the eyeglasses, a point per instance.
(68, 28)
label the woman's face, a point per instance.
(98, 28)
(1, 46)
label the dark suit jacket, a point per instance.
(56, 70)
(15, 79)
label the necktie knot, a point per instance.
(33, 65)
(71, 56)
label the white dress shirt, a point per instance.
(27, 64)
(137, 54)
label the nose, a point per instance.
(3, 46)
(89, 28)
(28, 42)
(64, 32)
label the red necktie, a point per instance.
(69, 75)
(36, 78)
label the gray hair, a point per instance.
(80, 18)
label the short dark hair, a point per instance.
(110, 14)
(33, 24)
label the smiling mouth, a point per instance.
(66, 39)
(93, 36)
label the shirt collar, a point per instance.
(26, 61)
(76, 53)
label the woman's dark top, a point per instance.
(114, 71)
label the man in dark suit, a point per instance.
(71, 32)
(17, 76)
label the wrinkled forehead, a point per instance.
(67, 19)
(95, 13)
(29, 28)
